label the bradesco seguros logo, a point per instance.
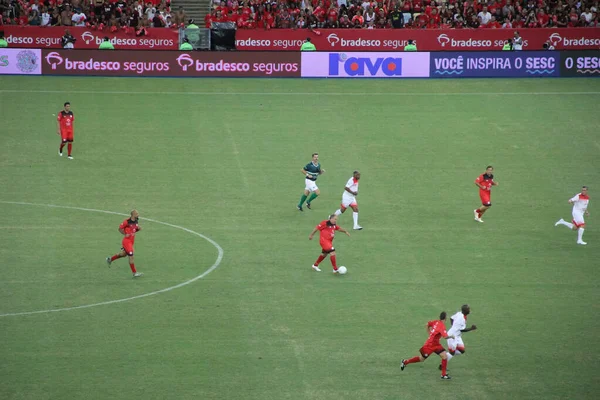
(340, 64)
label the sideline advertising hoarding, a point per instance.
(426, 39)
(170, 63)
(580, 63)
(495, 64)
(20, 61)
(365, 65)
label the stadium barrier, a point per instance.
(306, 64)
(425, 39)
(326, 39)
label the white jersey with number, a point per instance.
(459, 322)
(349, 199)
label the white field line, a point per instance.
(202, 275)
(313, 94)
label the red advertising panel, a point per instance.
(86, 38)
(170, 63)
(426, 40)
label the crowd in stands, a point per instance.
(109, 15)
(417, 14)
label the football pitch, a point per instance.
(229, 307)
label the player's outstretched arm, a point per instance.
(312, 234)
(472, 328)
(344, 231)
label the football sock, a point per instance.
(449, 356)
(321, 258)
(444, 366)
(70, 147)
(333, 262)
(338, 212)
(115, 257)
(355, 217)
(478, 211)
(302, 200)
(580, 234)
(132, 266)
(62, 145)
(413, 360)
(312, 197)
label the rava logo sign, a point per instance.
(341, 64)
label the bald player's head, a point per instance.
(135, 214)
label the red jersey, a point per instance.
(486, 181)
(66, 121)
(437, 330)
(327, 231)
(130, 227)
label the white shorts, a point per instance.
(311, 186)
(454, 343)
(578, 220)
(348, 200)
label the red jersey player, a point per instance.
(437, 330)
(128, 228)
(64, 122)
(485, 182)
(327, 230)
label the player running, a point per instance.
(312, 170)
(485, 182)
(459, 326)
(437, 330)
(64, 123)
(349, 199)
(327, 230)
(128, 229)
(580, 203)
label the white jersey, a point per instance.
(459, 322)
(580, 203)
(348, 198)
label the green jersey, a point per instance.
(313, 171)
(3, 43)
(106, 45)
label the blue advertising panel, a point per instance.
(580, 63)
(513, 64)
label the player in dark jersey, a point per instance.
(312, 170)
(128, 229)
(327, 230)
(437, 330)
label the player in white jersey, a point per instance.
(349, 199)
(580, 204)
(456, 345)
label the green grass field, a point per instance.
(223, 158)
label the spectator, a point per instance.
(586, 16)
(34, 18)
(508, 45)
(45, 17)
(397, 18)
(484, 16)
(78, 18)
(547, 46)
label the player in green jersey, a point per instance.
(312, 170)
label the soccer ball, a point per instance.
(342, 270)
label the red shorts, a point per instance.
(327, 247)
(485, 197)
(427, 350)
(66, 135)
(127, 247)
